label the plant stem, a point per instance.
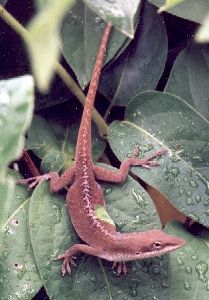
(74, 88)
(67, 79)
(31, 166)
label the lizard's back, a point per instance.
(83, 200)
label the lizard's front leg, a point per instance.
(121, 174)
(121, 267)
(70, 255)
(56, 182)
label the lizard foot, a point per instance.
(66, 265)
(121, 268)
(32, 181)
(147, 162)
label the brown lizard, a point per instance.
(84, 196)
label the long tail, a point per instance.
(85, 127)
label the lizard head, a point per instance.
(140, 245)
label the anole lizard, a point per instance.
(85, 196)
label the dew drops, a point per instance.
(156, 270)
(174, 171)
(194, 257)
(116, 214)
(98, 20)
(133, 285)
(189, 193)
(180, 261)
(201, 268)
(198, 198)
(134, 293)
(93, 279)
(194, 217)
(189, 201)
(138, 198)
(206, 212)
(181, 191)
(206, 202)
(108, 191)
(165, 284)
(193, 183)
(187, 285)
(188, 270)
(155, 298)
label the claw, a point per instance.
(150, 163)
(121, 268)
(68, 261)
(136, 151)
(34, 180)
(147, 162)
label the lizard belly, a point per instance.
(82, 210)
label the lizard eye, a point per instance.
(157, 245)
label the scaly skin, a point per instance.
(85, 194)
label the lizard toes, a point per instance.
(68, 261)
(121, 267)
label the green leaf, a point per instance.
(11, 196)
(141, 65)
(121, 15)
(55, 144)
(169, 4)
(51, 234)
(189, 78)
(189, 266)
(81, 34)
(192, 10)
(202, 35)
(18, 272)
(43, 42)
(16, 105)
(157, 120)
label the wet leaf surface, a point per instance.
(157, 120)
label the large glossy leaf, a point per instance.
(189, 9)
(51, 233)
(81, 34)
(189, 77)
(18, 273)
(43, 42)
(155, 120)
(55, 144)
(189, 266)
(121, 14)
(19, 277)
(16, 105)
(140, 67)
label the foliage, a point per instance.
(161, 77)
